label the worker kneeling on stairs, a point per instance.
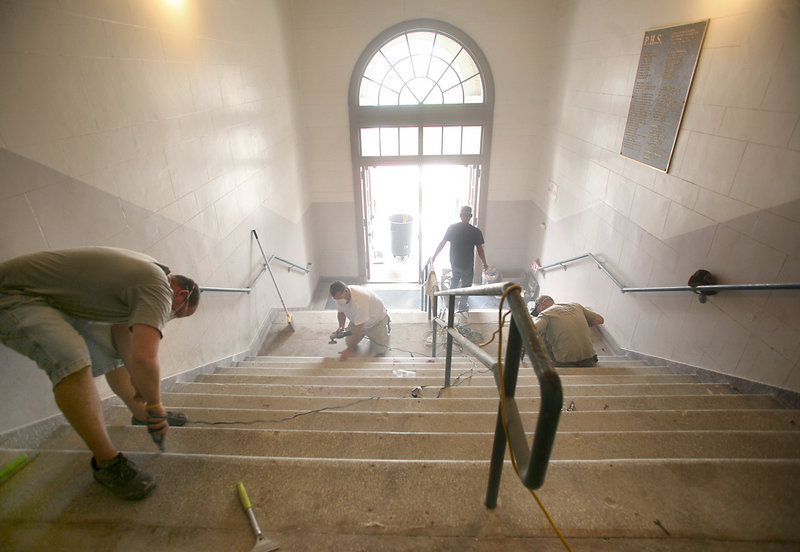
(368, 317)
(564, 328)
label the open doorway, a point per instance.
(407, 209)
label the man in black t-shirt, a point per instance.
(464, 238)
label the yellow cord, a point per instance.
(499, 331)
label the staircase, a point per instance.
(339, 456)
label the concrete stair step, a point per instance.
(427, 370)
(463, 391)
(481, 378)
(377, 362)
(489, 404)
(751, 501)
(466, 422)
(386, 445)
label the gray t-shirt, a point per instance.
(101, 284)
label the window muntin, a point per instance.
(436, 140)
(421, 67)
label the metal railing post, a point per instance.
(496, 464)
(451, 316)
(513, 356)
(434, 325)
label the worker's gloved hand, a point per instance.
(157, 425)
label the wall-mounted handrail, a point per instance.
(247, 289)
(265, 268)
(290, 264)
(532, 464)
(694, 289)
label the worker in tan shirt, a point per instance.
(564, 328)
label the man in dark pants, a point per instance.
(464, 239)
(79, 313)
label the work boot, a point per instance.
(123, 478)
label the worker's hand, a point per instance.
(345, 354)
(157, 420)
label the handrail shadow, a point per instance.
(531, 463)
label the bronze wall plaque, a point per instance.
(666, 67)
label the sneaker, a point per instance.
(174, 419)
(124, 479)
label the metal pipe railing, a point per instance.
(291, 265)
(264, 268)
(532, 464)
(703, 290)
(237, 290)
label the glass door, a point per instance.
(407, 209)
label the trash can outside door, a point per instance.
(401, 226)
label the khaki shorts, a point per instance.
(59, 344)
(377, 334)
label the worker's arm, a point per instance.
(342, 319)
(482, 255)
(138, 347)
(439, 249)
(592, 318)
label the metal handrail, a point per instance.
(247, 289)
(532, 464)
(290, 264)
(264, 269)
(703, 290)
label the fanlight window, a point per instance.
(421, 67)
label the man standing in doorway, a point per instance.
(464, 238)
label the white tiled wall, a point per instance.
(731, 200)
(169, 128)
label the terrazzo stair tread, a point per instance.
(480, 378)
(327, 318)
(464, 391)
(430, 371)
(372, 362)
(735, 500)
(466, 422)
(369, 363)
(202, 539)
(424, 445)
(174, 399)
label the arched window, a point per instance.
(420, 94)
(421, 67)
